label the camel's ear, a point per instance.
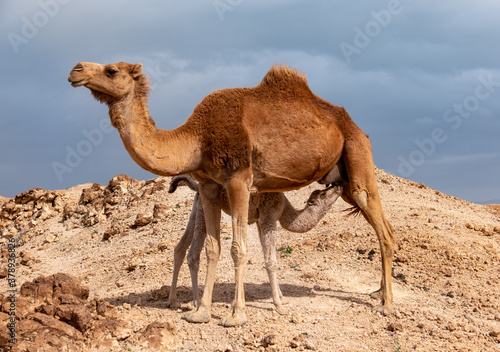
(137, 70)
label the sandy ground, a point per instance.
(446, 273)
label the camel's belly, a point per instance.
(285, 161)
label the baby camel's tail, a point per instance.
(182, 179)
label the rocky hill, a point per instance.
(93, 266)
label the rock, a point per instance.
(296, 318)
(159, 336)
(50, 238)
(451, 326)
(90, 194)
(309, 345)
(112, 199)
(269, 340)
(446, 272)
(494, 333)
(132, 264)
(395, 327)
(162, 246)
(26, 258)
(252, 260)
(57, 326)
(115, 328)
(106, 309)
(361, 250)
(401, 258)
(75, 315)
(160, 211)
(142, 219)
(297, 341)
(486, 232)
(114, 229)
(120, 180)
(225, 348)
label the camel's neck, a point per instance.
(301, 220)
(161, 152)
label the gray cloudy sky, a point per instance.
(421, 77)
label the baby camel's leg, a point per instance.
(180, 254)
(212, 209)
(267, 233)
(193, 258)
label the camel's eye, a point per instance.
(111, 71)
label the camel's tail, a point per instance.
(184, 179)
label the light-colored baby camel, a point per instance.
(265, 209)
(274, 137)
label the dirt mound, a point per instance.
(53, 313)
(116, 241)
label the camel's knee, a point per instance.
(193, 262)
(180, 250)
(238, 253)
(360, 196)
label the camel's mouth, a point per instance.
(79, 83)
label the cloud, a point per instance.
(397, 88)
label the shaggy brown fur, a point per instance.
(273, 137)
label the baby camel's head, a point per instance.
(325, 197)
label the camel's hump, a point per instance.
(282, 76)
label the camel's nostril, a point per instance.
(78, 67)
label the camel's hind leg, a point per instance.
(364, 192)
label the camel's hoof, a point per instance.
(385, 310)
(379, 294)
(173, 304)
(281, 310)
(199, 315)
(238, 318)
(285, 301)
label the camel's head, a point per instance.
(109, 82)
(325, 197)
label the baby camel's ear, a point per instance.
(137, 70)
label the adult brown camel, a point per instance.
(265, 209)
(274, 137)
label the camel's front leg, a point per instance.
(212, 209)
(239, 197)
